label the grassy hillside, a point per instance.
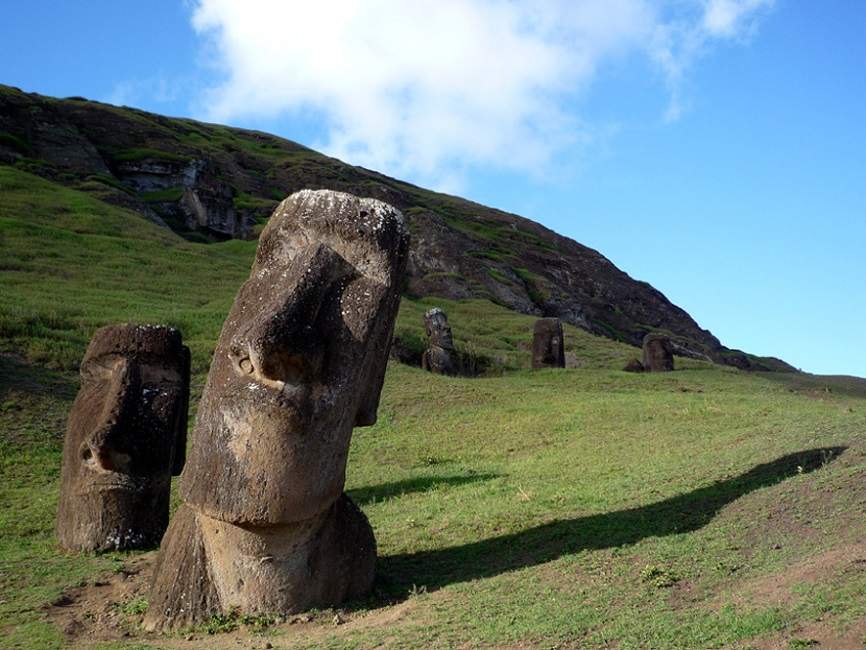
(154, 166)
(70, 263)
(579, 508)
(582, 508)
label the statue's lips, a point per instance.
(289, 399)
(93, 483)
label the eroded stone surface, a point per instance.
(439, 357)
(658, 353)
(125, 437)
(265, 526)
(548, 349)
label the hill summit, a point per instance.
(209, 183)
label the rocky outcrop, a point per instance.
(186, 191)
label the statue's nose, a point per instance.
(103, 448)
(285, 343)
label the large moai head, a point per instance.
(658, 353)
(548, 345)
(300, 361)
(125, 438)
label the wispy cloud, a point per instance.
(158, 89)
(425, 88)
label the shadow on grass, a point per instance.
(18, 375)
(375, 493)
(680, 514)
(819, 386)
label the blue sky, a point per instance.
(714, 148)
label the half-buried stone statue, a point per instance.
(125, 438)
(265, 526)
(548, 349)
(658, 353)
(439, 356)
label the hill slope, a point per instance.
(589, 508)
(210, 183)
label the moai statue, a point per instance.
(658, 354)
(125, 438)
(547, 344)
(437, 358)
(265, 525)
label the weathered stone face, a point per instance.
(438, 357)
(300, 362)
(548, 345)
(658, 353)
(125, 437)
(438, 329)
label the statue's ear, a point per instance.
(377, 363)
(371, 388)
(179, 455)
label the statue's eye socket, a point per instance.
(246, 365)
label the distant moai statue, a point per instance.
(548, 349)
(125, 438)
(265, 525)
(658, 353)
(438, 358)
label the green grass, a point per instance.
(244, 201)
(70, 263)
(584, 507)
(156, 196)
(15, 143)
(143, 153)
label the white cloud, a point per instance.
(158, 89)
(726, 18)
(422, 88)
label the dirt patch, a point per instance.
(799, 510)
(111, 607)
(104, 608)
(821, 634)
(778, 588)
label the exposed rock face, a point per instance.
(634, 366)
(125, 438)
(658, 353)
(438, 358)
(548, 344)
(205, 203)
(265, 526)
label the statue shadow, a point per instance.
(375, 493)
(16, 375)
(400, 575)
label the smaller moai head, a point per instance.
(300, 361)
(658, 353)
(438, 329)
(548, 346)
(125, 438)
